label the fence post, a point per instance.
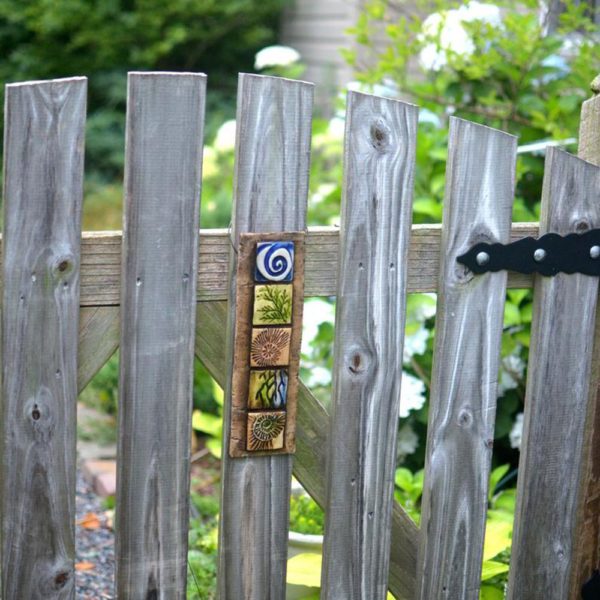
(163, 164)
(379, 162)
(557, 391)
(587, 553)
(271, 188)
(480, 178)
(43, 185)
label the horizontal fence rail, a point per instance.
(101, 263)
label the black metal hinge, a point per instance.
(548, 255)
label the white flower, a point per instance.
(453, 36)
(511, 373)
(516, 433)
(316, 311)
(275, 56)
(412, 392)
(225, 138)
(415, 343)
(408, 441)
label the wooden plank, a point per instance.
(379, 160)
(101, 263)
(558, 384)
(165, 121)
(480, 177)
(271, 188)
(311, 447)
(586, 557)
(43, 189)
(98, 340)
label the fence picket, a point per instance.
(43, 186)
(369, 333)
(586, 557)
(272, 162)
(311, 448)
(480, 178)
(557, 392)
(165, 120)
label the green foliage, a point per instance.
(211, 424)
(42, 39)
(202, 552)
(501, 68)
(306, 516)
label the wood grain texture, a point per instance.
(557, 392)
(43, 188)
(312, 427)
(99, 330)
(271, 188)
(165, 121)
(379, 162)
(586, 554)
(101, 263)
(480, 177)
(246, 262)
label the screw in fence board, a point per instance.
(43, 186)
(480, 178)
(586, 557)
(311, 447)
(369, 333)
(558, 383)
(271, 189)
(163, 164)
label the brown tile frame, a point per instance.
(246, 261)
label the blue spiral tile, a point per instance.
(274, 261)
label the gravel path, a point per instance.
(95, 547)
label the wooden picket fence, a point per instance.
(160, 292)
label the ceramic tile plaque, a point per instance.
(268, 329)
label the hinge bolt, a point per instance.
(539, 255)
(595, 252)
(483, 258)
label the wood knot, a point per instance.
(61, 579)
(380, 136)
(357, 361)
(465, 418)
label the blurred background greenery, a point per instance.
(513, 65)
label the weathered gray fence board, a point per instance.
(98, 339)
(311, 447)
(557, 393)
(369, 334)
(43, 178)
(165, 120)
(480, 178)
(586, 555)
(101, 263)
(271, 188)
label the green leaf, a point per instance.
(404, 479)
(489, 592)
(512, 315)
(305, 569)
(497, 538)
(214, 447)
(492, 568)
(207, 423)
(497, 474)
